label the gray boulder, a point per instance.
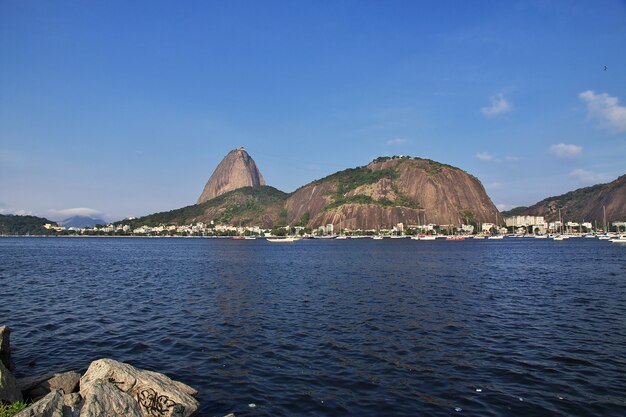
(29, 382)
(35, 388)
(8, 386)
(156, 394)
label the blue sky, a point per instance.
(116, 108)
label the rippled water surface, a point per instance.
(331, 328)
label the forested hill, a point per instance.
(23, 225)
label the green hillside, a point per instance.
(23, 225)
(243, 205)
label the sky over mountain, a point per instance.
(116, 108)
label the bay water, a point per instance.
(519, 327)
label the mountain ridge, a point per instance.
(383, 193)
(584, 203)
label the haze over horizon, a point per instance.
(116, 109)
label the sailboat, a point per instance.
(560, 235)
(341, 235)
(496, 236)
(606, 235)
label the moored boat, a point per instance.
(282, 239)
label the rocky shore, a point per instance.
(107, 389)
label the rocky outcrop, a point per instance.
(236, 170)
(107, 389)
(587, 204)
(8, 386)
(110, 388)
(5, 347)
(9, 391)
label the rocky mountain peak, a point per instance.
(237, 170)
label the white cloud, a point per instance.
(494, 186)
(485, 156)
(606, 109)
(504, 207)
(77, 211)
(398, 141)
(564, 150)
(499, 105)
(513, 158)
(588, 177)
(19, 212)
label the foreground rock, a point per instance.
(110, 388)
(156, 394)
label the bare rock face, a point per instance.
(237, 170)
(388, 191)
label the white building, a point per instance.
(517, 221)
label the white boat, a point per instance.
(604, 237)
(619, 239)
(479, 237)
(541, 236)
(558, 237)
(377, 237)
(282, 239)
(426, 237)
(341, 237)
(496, 237)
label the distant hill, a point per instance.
(81, 221)
(23, 225)
(582, 204)
(385, 192)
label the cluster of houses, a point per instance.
(517, 224)
(538, 225)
